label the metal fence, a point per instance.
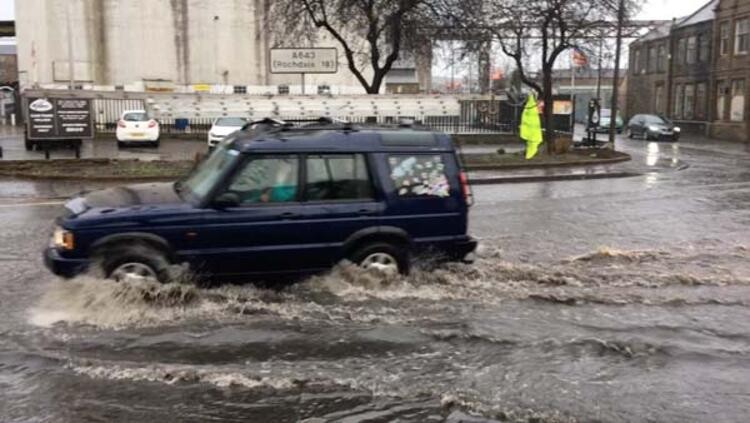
(193, 115)
(476, 117)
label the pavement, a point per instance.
(12, 143)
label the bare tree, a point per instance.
(535, 33)
(372, 33)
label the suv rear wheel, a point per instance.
(385, 257)
(136, 262)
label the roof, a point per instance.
(659, 31)
(705, 13)
(343, 138)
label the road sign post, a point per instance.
(318, 60)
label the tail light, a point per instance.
(465, 188)
(121, 123)
(151, 123)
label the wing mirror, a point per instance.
(226, 200)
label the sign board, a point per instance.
(562, 107)
(59, 118)
(304, 60)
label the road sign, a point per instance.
(304, 60)
(59, 118)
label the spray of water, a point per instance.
(349, 293)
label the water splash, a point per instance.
(349, 293)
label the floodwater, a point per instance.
(621, 300)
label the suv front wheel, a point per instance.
(136, 262)
(384, 257)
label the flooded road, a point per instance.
(618, 300)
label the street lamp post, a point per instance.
(616, 77)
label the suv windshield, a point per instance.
(208, 173)
(230, 121)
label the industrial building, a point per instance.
(221, 46)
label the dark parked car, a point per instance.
(288, 200)
(653, 127)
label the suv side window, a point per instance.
(337, 177)
(419, 175)
(267, 179)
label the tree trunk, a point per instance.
(377, 81)
(547, 116)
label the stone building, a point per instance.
(696, 71)
(671, 71)
(731, 71)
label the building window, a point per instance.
(284, 89)
(700, 101)
(737, 108)
(721, 100)
(692, 50)
(679, 98)
(724, 38)
(742, 36)
(240, 89)
(704, 47)
(637, 62)
(662, 65)
(688, 102)
(659, 100)
(652, 59)
(681, 50)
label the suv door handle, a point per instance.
(366, 212)
(289, 215)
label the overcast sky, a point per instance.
(667, 9)
(654, 9)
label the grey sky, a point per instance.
(667, 9)
(6, 10)
(654, 9)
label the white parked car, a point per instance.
(222, 127)
(136, 127)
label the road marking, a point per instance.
(20, 205)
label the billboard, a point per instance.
(304, 60)
(59, 118)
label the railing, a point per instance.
(193, 115)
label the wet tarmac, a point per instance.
(170, 148)
(612, 300)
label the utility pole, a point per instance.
(599, 73)
(616, 78)
(70, 44)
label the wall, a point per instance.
(730, 67)
(642, 81)
(148, 44)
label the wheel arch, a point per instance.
(149, 239)
(389, 234)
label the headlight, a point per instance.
(62, 239)
(653, 128)
(676, 129)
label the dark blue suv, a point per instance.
(286, 200)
